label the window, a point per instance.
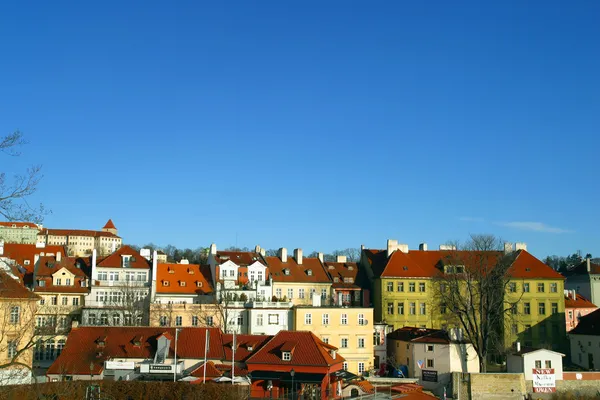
(325, 319)
(540, 288)
(429, 347)
(308, 319)
(240, 319)
(290, 294)
(42, 301)
(345, 366)
(286, 356)
(278, 293)
(65, 301)
(548, 363)
(361, 367)
(553, 287)
(515, 329)
(527, 308)
(423, 309)
(301, 293)
(390, 308)
(116, 319)
(538, 363)
(323, 293)
(376, 338)
(361, 343)
(273, 319)
(542, 308)
(411, 287)
(312, 293)
(58, 281)
(309, 272)
(571, 315)
(231, 273)
(15, 315)
(181, 283)
(41, 283)
(163, 320)
(75, 301)
(512, 287)
(443, 308)
(430, 363)
(178, 320)
(209, 320)
(92, 319)
(401, 286)
(412, 308)
(325, 339)
(102, 276)
(526, 287)
(344, 343)
(554, 308)
(513, 309)
(194, 320)
(421, 286)
(361, 319)
(12, 348)
(390, 286)
(401, 308)
(59, 347)
(54, 300)
(344, 319)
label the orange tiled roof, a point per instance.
(47, 266)
(211, 371)
(190, 274)
(21, 252)
(18, 224)
(578, 302)
(109, 225)
(340, 271)
(240, 258)
(297, 272)
(115, 260)
(527, 266)
(309, 350)
(11, 289)
(244, 343)
(76, 232)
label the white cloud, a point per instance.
(533, 226)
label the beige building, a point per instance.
(350, 329)
(18, 232)
(17, 310)
(81, 243)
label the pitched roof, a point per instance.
(77, 232)
(244, 343)
(420, 335)
(526, 266)
(311, 270)
(47, 266)
(18, 224)
(240, 258)
(109, 225)
(83, 346)
(578, 302)
(309, 350)
(115, 260)
(341, 271)
(588, 325)
(191, 275)
(211, 371)
(11, 289)
(581, 269)
(22, 252)
(526, 350)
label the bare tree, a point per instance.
(470, 292)
(14, 192)
(126, 305)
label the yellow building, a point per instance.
(82, 242)
(350, 329)
(403, 293)
(298, 279)
(17, 310)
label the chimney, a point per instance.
(58, 256)
(423, 247)
(213, 249)
(341, 259)
(574, 294)
(263, 252)
(257, 249)
(362, 247)
(392, 245)
(518, 347)
(520, 246)
(145, 253)
(321, 257)
(94, 272)
(298, 255)
(508, 248)
(154, 273)
(282, 254)
(588, 261)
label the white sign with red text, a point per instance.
(544, 380)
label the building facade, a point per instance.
(19, 232)
(576, 306)
(81, 243)
(584, 279)
(584, 340)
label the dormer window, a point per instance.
(286, 356)
(250, 348)
(171, 271)
(26, 262)
(165, 283)
(190, 271)
(405, 268)
(336, 279)
(181, 283)
(331, 267)
(126, 261)
(198, 284)
(286, 271)
(309, 272)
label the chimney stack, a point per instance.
(423, 247)
(263, 252)
(282, 254)
(94, 272)
(362, 247)
(257, 249)
(392, 245)
(518, 347)
(58, 256)
(298, 255)
(508, 248)
(520, 246)
(588, 261)
(213, 249)
(154, 273)
(321, 257)
(341, 259)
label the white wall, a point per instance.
(284, 317)
(542, 355)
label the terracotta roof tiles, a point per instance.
(115, 260)
(311, 270)
(578, 302)
(182, 279)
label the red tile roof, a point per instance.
(11, 289)
(309, 350)
(244, 343)
(191, 275)
(82, 346)
(21, 252)
(109, 225)
(47, 266)
(115, 260)
(211, 371)
(343, 270)
(419, 335)
(527, 266)
(578, 302)
(77, 232)
(18, 224)
(241, 258)
(297, 272)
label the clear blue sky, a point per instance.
(310, 124)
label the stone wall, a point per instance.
(489, 386)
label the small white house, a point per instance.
(525, 359)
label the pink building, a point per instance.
(576, 306)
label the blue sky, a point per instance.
(310, 124)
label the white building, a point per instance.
(268, 318)
(525, 359)
(585, 342)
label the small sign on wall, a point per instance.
(544, 380)
(429, 375)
